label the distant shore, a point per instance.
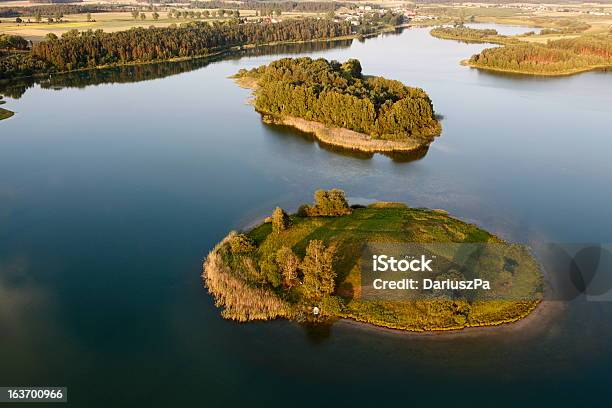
(219, 52)
(574, 71)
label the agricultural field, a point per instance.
(109, 21)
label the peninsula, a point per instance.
(4, 113)
(341, 106)
(306, 267)
(555, 58)
(471, 35)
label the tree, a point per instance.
(277, 12)
(206, 14)
(236, 13)
(88, 16)
(135, 14)
(317, 266)
(143, 16)
(18, 20)
(269, 270)
(38, 17)
(329, 203)
(289, 263)
(241, 244)
(352, 67)
(155, 16)
(280, 220)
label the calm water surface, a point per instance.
(111, 195)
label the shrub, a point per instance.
(303, 210)
(329, 203)
(241, 244)
(269, 270)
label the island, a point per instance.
(460, 32)
(566, 56)
(307, 267)
(341, 106)
(4, 113)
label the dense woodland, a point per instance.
(339, 95)
(560, 56)
(90, 49)
(55, 9)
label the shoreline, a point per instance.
(335, 136)
(471, 40)
(345, 138)
(229, 50)
(537, 319)
(467, 63)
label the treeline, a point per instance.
(13, 42)
(284, 6)
(53, 10)
(143, 72)
(56, 1)
(555, 57)
(21, 64)
(90, 49)
(340, 96)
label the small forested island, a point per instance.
(460, 32)
(559, 57)
(341, 106)
(306, 267)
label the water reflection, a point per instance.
(283, 131)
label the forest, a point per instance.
(559, 57)
(340, 96)
(55, 9)
(92, 49)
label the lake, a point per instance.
(111, 195)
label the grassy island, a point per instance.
(560, 57)
(291, 264)
(471, 35)
(341, 106)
